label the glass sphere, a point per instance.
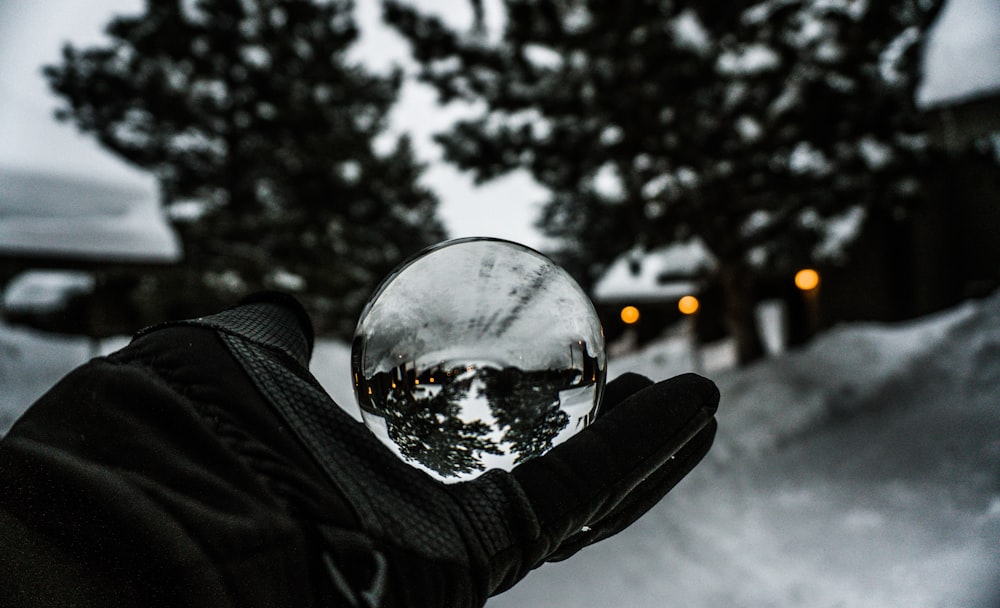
(476, 354)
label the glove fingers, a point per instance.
(621, 388)
(643, 498)
(589, 476)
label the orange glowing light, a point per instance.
(630, 314)
(688, 305)
(807, 279)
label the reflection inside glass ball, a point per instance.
(477, 354)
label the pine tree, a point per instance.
(769, 130)
(263, 136)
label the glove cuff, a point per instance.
(274, 320)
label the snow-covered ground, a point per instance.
(860, 471)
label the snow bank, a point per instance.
(32, 361)
(859, 471)
(779, 398)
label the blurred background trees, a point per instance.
(771, 131)
(269, 145)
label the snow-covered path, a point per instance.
(885, 493)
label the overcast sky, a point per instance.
(32, 33)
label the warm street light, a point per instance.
(688, 305)
(807, 279)
(630, 314)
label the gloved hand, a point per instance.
(209, 443)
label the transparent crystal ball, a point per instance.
(477, 354)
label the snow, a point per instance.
(753, 59)
(611, 136)
(193, 13)
(891, 58)
(257, 56)
(806, 159)
(838, 232)
(689, 33)
(855, 9)
(577, 20)
(44, 290)
(668, 272)
(749, 129)
(875, 153)
(608, 182)
(791, 97)
(52, 216)
(542, 56)
(662, 184)
(687, 177)
(860, 471)
(960, 59)
(286, 281)
(755, 222)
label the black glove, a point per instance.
(204, 465)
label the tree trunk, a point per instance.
(740, 321)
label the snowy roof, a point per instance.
(670, 272)
(56, 217)
(962, 56)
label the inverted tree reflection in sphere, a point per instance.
(477, 354)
